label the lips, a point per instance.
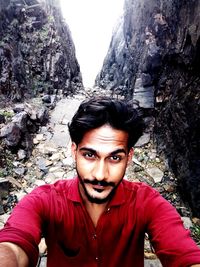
(99, 188)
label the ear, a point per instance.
(130, 155)
(73, 150)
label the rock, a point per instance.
(39, 182)
(12, 134)
(169, 188)
(54, 169)
(19, 108)
(138, 169)
(21, 154)
(68, 161)
(14, 182)
(146, 79)
(3, 220)
(31, 34)
(56, 157)
(39, 137)
(42, 246)
(43, 164)
(43, 115)
(144, 139)
(196, 220)
(152, 154)
(187, 222)
(59, 174)
(46, 99)
(20, 171)
(152, 263)
(155, 173)
(20, 195)
(2, 118)
(20, 119)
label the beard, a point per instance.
(95, 182)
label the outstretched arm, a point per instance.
(11, 255)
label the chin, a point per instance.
(98, 198)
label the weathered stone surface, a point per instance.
(158, 44)
(155, 173)
(37, 54)
(12, 134)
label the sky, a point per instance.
(91, 23)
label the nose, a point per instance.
(100, 170)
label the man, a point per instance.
(97, 218)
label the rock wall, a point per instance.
(157, 47)
(37, 53)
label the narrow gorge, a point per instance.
(153, 60)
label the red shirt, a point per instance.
(57, 212)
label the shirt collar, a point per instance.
(74, 194)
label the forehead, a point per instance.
(105, 139)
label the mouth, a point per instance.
(98, 188)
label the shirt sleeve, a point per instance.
(24, 226)
(171, 241)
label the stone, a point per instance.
(43, 115)
(143, 140)
(3, 219)
(56, 157)
(21, 154)
(12, 134)
(155, 173)
(20, 119)
(46, 99)
(39, 182)
(19, 108)
(152, 263)
(54, 169)
(59, 174)
(39, 137)
(20, 171)
(68, 161)
(2, 118)
(187, 222)
(42, 164)
(146, 79)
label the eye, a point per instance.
(115, 158)
(88, 155)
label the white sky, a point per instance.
(91, 23)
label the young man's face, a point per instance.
(101, 160)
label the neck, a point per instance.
(94, 210)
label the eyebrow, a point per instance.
(119, 150)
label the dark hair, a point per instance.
(95, 112)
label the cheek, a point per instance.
(83, 167)
(118, 171)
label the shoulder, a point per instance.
(139, 188)
(47, 195)
(59, 187)
(143, 193)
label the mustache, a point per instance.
(96, 182)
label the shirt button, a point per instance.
(108, 209)
(94, 236)
(96, 258)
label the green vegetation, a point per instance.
(7, 114)
(195, 232)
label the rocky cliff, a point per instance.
(154, 57)
(37, 53)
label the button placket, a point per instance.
(94, 237)
(108, 210)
